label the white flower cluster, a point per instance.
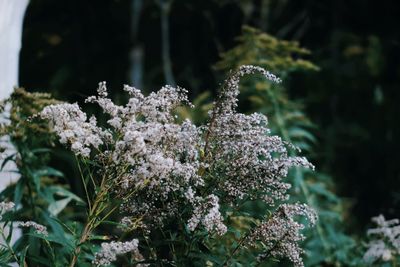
(386, 242)
(281, 233)
(71, 124)
(39, 229)
(207, 213)
(152, 153)
(162, 168)
(252, 162)
(109, 251)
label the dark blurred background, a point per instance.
(70, 46)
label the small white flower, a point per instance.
(39, 229)
(109, 251)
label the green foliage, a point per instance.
(41, 193)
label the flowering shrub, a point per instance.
(384, 245)
(172, 187)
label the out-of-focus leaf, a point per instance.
(22, 257)
(320, 189)
(296, 132)
(5, 256)
(57, 206)
(6, 160)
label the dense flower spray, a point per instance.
(163, 168)
(110, 251)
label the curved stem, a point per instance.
(236, 248)
(90, 225)
(84, 183)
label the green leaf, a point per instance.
(321, 190)
(296, 132)
(7, 159)
(23, 256)
(18, 192)
(48, 171)
(5, 256)
(40, 150)
(58, 234)
(60, 191)
(99, 237)
(57, 206)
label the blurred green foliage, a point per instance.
(258, 48)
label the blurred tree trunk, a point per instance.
(136, 53)
(165, 8)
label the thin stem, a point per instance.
(9, 246)
(27, 172)
(90, 225)
(152, 252)
(84, 183)
(107, 215)
(236, 248)
(85, 234)
(268, 253)
(173, 249)
(90, 175)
